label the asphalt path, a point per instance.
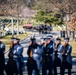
(25, 44)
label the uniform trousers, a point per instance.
(19, 65)
(11, 68)
(2, 64)
(57, 63)
(31, 65)
(66, 65)
(47, 66)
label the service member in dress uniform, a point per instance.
(2, 59)
(52, 44)
(17, 54)
(67, 58)
(33, 57)
(11, 67)
(37, 55)
(58, 55)
(47, 56)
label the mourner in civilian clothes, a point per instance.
(67, 58)
(17, 54)
(11, 67)
(47, 56)
(58, 55)
(32, 53)
(2, 59)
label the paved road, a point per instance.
(25, 44)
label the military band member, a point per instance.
(52, 43)
(58, 55)
(47, 56)
(37, 55)
(67, 58)
(17, 54)
(33, 55)
(2, 59)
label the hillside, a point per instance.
(15, 8)
(25, 7)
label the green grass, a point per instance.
(73, 43)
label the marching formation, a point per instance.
(48, 55)
(43, 58)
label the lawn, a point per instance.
(73, 43)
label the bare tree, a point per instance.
(67, 8)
